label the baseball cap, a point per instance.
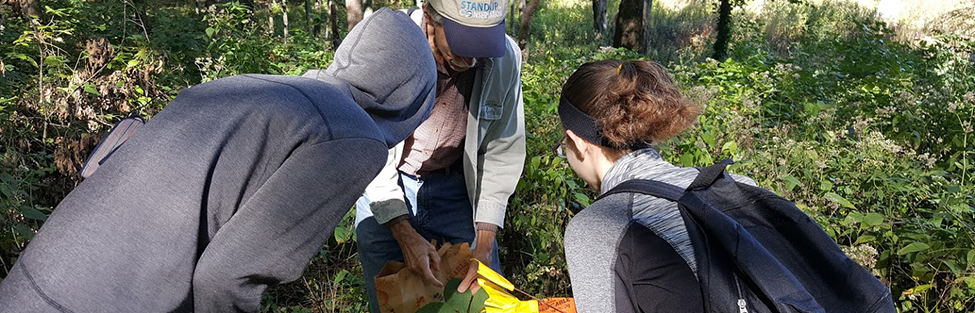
(474, 28)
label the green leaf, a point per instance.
(971, 257)
(687, 159)
(90, 88)
(341, 275)
(866, 239)
(918, 289)
(913, 247)
(582, 198)
(210, 31)
(825, 185)
(6, 191)
(455, 302)
(731, 147)
(853, 217)
(571, 183)
(970, 281)
(839, 199)
(53, 61)
(708, 138)
(955, 269)
(477, 303)
(32, 213)
(791, 182)
(342, 234)
(873, 219)
(24, 231)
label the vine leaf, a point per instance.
(455, 302)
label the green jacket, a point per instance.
(492, 163)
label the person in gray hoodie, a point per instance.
(232, 187)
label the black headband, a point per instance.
(586, 127)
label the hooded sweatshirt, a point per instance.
(234, 186)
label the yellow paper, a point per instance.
(492, 276)
(500, 301)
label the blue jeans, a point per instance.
(438, 209)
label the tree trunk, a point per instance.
(526, 23)
(316, 20)
(724, 31)
(645, 36)
(26, 8)
(270, 17)
(599, 20)
(630, 24)
(334, 27)
(353, 11)
(308, 18)
(284, 16)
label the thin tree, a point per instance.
(317, 29)
(308, 17)
(333, 33)
(526, 22)
(353, 10)
(284, 16)
(645, 36)
(631, 21)
(599, 21)
(270, 17)
(723, 35)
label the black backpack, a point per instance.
(757, 252)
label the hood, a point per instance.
(387, 63)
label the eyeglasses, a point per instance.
(557, 148)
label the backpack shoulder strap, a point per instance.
(659, 189)
(709, 174)
(649, 187)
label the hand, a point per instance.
(470, 281)
(483, 252)
(421, 256)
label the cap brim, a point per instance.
(475, 42)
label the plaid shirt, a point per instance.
(439, 141)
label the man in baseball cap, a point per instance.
(473, 28)
(450, 181)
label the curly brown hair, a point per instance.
(635, 102)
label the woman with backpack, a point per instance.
(685, 251)
(623, 254)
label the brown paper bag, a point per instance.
(400, 290)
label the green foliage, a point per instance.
(239, 43)
(866, 134)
